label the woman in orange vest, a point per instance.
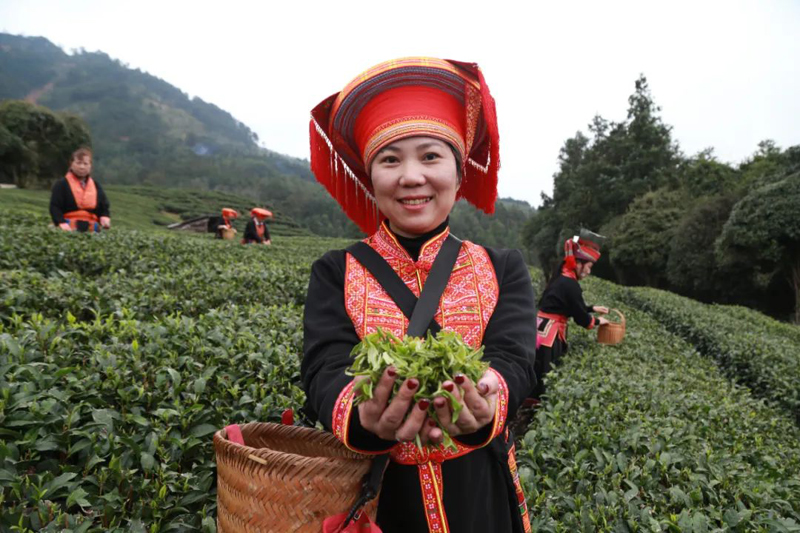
(562, 299)
(396, 148)
(256, 230)
(77, 202)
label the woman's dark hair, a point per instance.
(459, 164)
(80, 153)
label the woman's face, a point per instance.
(81, 166)
(415, 182)
(584, 269)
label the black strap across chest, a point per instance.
(419, 311)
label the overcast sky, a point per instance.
(726, 73)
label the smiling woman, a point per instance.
(396, 148)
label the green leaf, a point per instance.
(59, 482)
(78, 496)
(148, 462)
(203, 430)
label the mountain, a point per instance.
(147, 132)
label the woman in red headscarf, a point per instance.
(256, 230)
(562, 299)
(225, 224)
(396, 148)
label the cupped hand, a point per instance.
(478, 406)
(393, 420)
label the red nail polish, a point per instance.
(439, 403)
(412, 384)
(459, 379)
(483, 388)
(391, 371)
(424, 404)
(448, 387)
(432, 422)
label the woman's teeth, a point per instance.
(416, 201)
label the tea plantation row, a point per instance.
(121, 353)
(650, 436)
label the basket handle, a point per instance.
(622, 317)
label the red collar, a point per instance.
(385, 243)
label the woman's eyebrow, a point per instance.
(389, 148)
(427, 145)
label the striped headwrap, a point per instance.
(584, 247)
(410, 97)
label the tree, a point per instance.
(641, 246)
(36, 143)
(692, 268)
(704, 175)
(599, 176)
(768, 165)
(540, 235)
(764, 231)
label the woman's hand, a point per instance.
(392, 420)
(65, 226)
(600, 309)
(478, 406)
(105, 222)
(601, 321)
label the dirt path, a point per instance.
(35, 94)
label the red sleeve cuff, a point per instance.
(342, 423)
(498, 424)
(592, 323)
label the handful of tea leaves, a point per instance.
(431, 361)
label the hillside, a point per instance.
(147, 132)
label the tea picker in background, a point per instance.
(562, 299)
(256, 230)
(77, 202)
(225, 229)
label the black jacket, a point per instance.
(62, 201)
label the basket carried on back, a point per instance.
(613, 332)
(285, 479)
(228, 234)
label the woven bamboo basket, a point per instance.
(613, 332)
(285, 479)
(228, 234)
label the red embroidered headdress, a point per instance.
(410, 97)
(261, 213)
(583, 247)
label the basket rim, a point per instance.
(324, 438)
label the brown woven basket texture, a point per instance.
(613, 332)
(285, 479)
(228, 234)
